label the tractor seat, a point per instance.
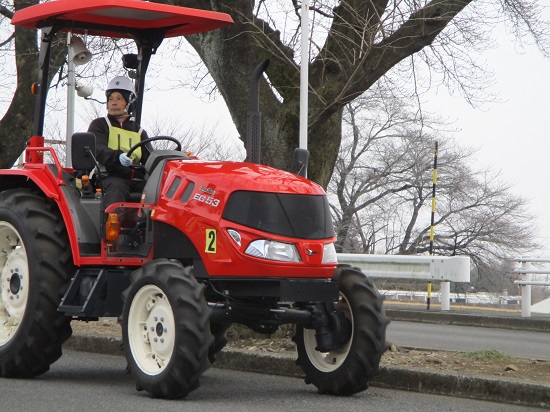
(83, 151)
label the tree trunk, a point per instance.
(344, 231)
(16, 125)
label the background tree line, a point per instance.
(381, 193)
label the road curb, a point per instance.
(487, 389)
(390, 377)
(464, 319)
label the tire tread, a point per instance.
(32, 354)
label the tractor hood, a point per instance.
(256, 201)
(232, 176)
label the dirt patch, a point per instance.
(104, 326)
(516, 369)
(488, 364)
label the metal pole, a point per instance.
(254, 116)
(70, 100)
(445, 293)
(526, 291)
(432, 226)
(304, 74)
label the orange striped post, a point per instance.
(432, 221)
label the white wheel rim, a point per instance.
(151, 330)
(14, 284)
(329, 361)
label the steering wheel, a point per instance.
(152, 139)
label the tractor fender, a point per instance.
(171, 243)
(40, 178)
(37, 178)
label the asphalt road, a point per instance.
(82, 381)
(468, 338)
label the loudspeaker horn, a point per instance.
(81, 54)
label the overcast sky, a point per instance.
(513, 136)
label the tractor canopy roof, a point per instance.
(119, 18)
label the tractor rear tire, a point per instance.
(166, 329)
(36, 266)
(348, 369)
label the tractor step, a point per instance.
(95, 292)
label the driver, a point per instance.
(115, 135)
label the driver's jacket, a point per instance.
(114, 138)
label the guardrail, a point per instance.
(444, 269)
(527, 281)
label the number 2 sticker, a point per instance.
(210, 241)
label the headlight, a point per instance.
(269, 249)
(329, 254)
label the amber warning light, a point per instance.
(112, 228)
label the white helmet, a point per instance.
(120, 83)
(124, 86)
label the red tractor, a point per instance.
(207, 244)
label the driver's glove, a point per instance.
(124, 160)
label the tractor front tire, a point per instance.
(166, 329)
(348, 369)
(36, 265)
